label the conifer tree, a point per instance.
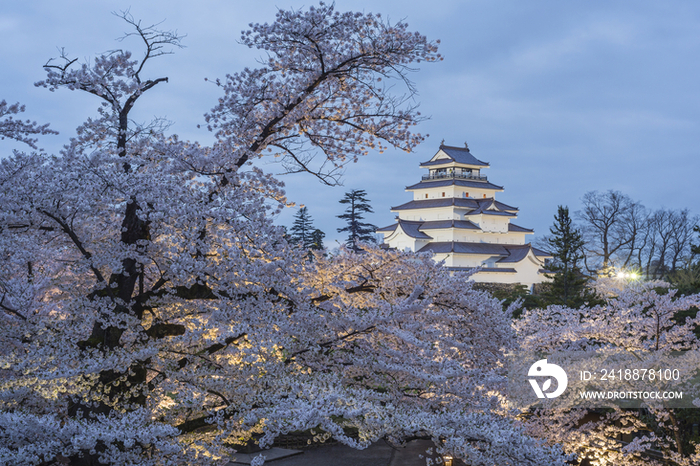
(695, 248)
(358, 205)
(317, 239)
(303, 232)
(568, 286)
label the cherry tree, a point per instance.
(152, 313)
(637, 319)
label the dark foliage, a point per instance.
(568, 286)
(303, 232)
(358, 205)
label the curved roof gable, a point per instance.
(517, 253)
(388, 229)
(412, 229)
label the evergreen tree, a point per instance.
(687, 279)
(568, 286)
(695, 248)
(303, 232)
(317, 239)
(358, 204)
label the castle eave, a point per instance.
(454, 182)
(486, 249)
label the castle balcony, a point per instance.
(462, 176)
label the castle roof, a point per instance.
(541, 253)
(455, 154)
(488, 206)
(516, 253)
(513, 227)
(485, 269)
(501, 206)
(485, 211)
(388, 229)
(441, 202)
(412, 229)
(454, 182)
(488, 249)
(510, 253)
(409, 226)
(459, 224)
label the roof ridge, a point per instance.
(466, 149)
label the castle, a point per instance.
(455, 215)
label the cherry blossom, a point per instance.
(17, 129)
(637, 319)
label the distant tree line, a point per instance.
(620, 233)
(614, 235)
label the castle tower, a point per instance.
(455, 215)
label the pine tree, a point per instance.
(358, 204)
(317, 239)
(568, 286)
(303, 232)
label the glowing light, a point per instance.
(625, 275)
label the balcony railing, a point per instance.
(463, 176)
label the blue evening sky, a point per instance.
(560, 97)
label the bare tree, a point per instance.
(622, 233)
(635, 224)
(647, 247)
(681, 239)
(669, 242)
(606, 228)
(663, 222)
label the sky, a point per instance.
(561, 98)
